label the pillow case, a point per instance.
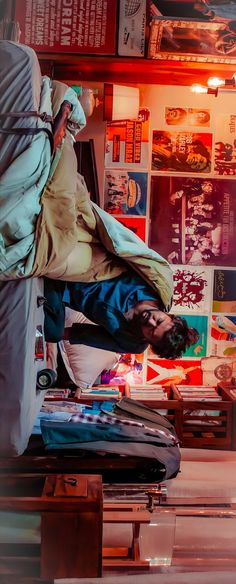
(84, 364)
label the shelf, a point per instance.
(72, 68)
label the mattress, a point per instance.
(20, 401)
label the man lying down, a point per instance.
(49, 227)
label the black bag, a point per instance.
(151, 447)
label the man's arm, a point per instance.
(97, 336)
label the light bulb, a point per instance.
(197, 88)
(215, 82)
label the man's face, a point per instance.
(152, 322)
(196, 161)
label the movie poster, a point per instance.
(225, 144)
(192, 40)
(223, 336)
(217, 370)
(68, 26)
(192, 289)
(125, 192)
(224, 291)
(128, 369)
(135, 224)
(166, 371)
(206, 10)
(181, 151)
(127, 142)
(193, 220)
(199, 349)
(187, 116)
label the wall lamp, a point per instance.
(120, 102)
(214, 84)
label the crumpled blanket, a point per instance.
(66, 236)
(25, 160)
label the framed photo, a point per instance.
(192, 40)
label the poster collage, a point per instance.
(175, 187)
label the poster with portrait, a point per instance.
(125, 192)
(165, 371)
(224, 291)
(127, 142)
(199, 349)
(223, 336)
(135, 224)
(192, 40)
(193, 220)
(217, 370)
(181, 151)
(187, 116)
(192, 289)
(128, 369)
(225, 144)
(190, 9)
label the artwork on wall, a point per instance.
(224, 291)
(193, 220)
(129, 369)
(127, 142)
(165, 372)
(125, 192)
(187, 116)
(73, 26)
(192, 40)
(223, 336)
(192, 289)
(225, 144)
(136, 224)
(217, 369)
(181, 151)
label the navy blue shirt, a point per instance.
(105, 304)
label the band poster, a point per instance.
(192, 40)
(181, 151)
(165, 372)
(192, 289)
(125, 192)
(225, 145)
(224, 291)
(187, 116)
(223, 336)
(193, 220)
(217, 369)
(127, 142)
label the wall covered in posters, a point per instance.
(190, 218)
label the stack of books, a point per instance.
(57, 393)
(199, 393)
(151, 393)
(108, 391)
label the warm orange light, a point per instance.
(197, 88)
(215, 82)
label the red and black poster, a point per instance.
(68, 26)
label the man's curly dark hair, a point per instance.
(176, 340)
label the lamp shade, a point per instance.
(120, 102)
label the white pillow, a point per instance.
(84, 364)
